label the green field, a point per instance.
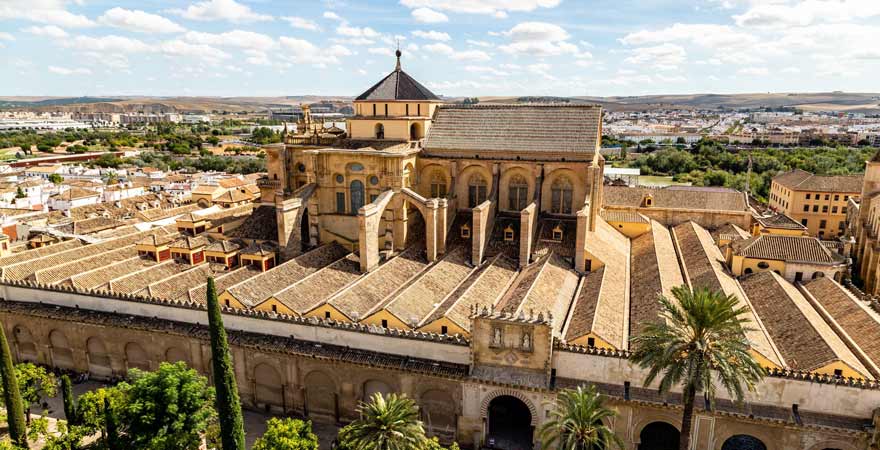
(656, 181)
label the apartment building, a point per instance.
(817, 202)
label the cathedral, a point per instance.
(473, 258)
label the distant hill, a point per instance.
(820, 101)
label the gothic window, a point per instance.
(476, 190)
(438, 185)
(518, 190)
(561, 196)
(526, 342)
(357, 196)
(380, 131)
(340, 202)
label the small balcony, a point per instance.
(265, 183)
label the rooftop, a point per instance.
(397, 85)
(801, 180)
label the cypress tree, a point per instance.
(228, 404)
(67, 398)
(11, 395)
(111, 427)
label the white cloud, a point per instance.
(204, 52)
(51, 12)
(806, 12)
(301, 23)
(428, 15)
(109, 43)
(345, 29)
(47, 30)
(301, 51)
(332, 16)
(496, 8)
(69, 71)
(466, 55)
(479, 43)
(753, 71)
(540, 39)
(228, 10)
(664, 57)
(138, 21)
(432, 35)
(234, 38)
(380, 51)
(706, 35)
(4, 36)
(486, 70)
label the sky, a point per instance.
(454, 47)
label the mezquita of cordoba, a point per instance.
(473, 257)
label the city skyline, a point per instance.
(457, 48)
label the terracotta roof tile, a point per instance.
(785, 248)
(800, 180)
(677, 198)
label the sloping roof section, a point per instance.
(554, 128)
(680, 197)
(801, 180)
(398, 85)
(786, 248)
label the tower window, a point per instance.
(407, 109)
(380, 131)
(374, 109)
(419, 109)
(386, 110)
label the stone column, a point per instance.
(442, 225)
(287, 212)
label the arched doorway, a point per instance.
(375, 386)
(136, 357)
(320, 392)
(62, 355)
(99, 359)
(510, 424)
(743, 442)
(380, 131)
(438, 412)
(659, 436)
(304, 239)
(174, 354)
(24, 343)
(268, 387)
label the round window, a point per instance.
(340, 179)
(763, 265)
(374, 180)
(301, 167)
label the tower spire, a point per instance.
(398, 56)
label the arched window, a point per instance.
(476, 190)
(357, 196)
(415, 132)
(561, 196)
(380, 131)
(743, 442)
(517, 190)
(438, 184)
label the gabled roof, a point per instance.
(780, 221)
(801, 180)
(555, 128)
(786, 248)
(398, 85)
(680, 197)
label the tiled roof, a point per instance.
(177, 285)
(157, 240)
(781, 221)
(234, 196)
(225, 246)
(802, 336)
(314, 289)
(800, 180)
(61, 272)
(221, 283)
(255, 290)
(190, 243)
(94, 225)
(100, 277)
(654, 272)
(730, 232)
(518, 128)
(856, 321)
(138, 281)
(617, 215)
(679, 198)
(397, 85)
(486, 286)
(372, 288)
(785, 248)
(607, 319)
(417, 300)
(703, 266)
(40, 252)
(261, 224)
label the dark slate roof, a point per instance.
(398, 85)
(523, 127)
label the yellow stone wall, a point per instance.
(792, 203)
(739, 264)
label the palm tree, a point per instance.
(386, 423)
(700, 334)
(577, 423)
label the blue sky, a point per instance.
(455, 47)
